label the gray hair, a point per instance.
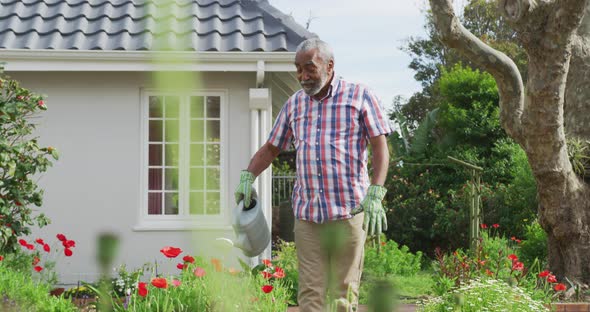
(324, 49)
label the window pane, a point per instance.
(172, 129)
(155, 179)
(197, 179)
(213, 130)
(155, 155)
(197, 130)
(213, 178)
(171, 203)
(155, 134)
(171, 179)
(172, 106)
(171, 156)
(197, 154)
(213, 203)
(213, 152)
(213, 107)
(155, 203)
(155, 107)
(197, 107)
(197, 203)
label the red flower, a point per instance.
(544, 273)
(69, 243)
(160, 282)
(267, 288)
(512, 238)
(61, 237)
(23, 242)
(38, 269)
(489, 273)
(266, 275)
(1, 258)
(68, 252)
(171, 252)
(46, 248)
(517, 266)
(513, 257)
(176, 282)
(41, 103)
(188, 258)
(484, 226)
(40, 241)
(518, 241)
(559, 287)
(30, 246)
(199, 272)
(181, 266)
(551, 278)
(267, 262)
(36, 260)
(495, 225)
(279, 273)
(142, 289)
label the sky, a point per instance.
(366, 37)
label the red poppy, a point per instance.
(30, 246)
(181, 266)
(46, 248)
(176, 282)
(266, 275)
(512, 238)
(61, 237)
(559, 287)
(1, 258)
(160, 282)
(517, 266)
(188, 258)
(544, 273)
(495, 225)
(40, 241)
(142, 289)
(267, 288)
(482, 262)
(23, 242)
(279, 273)
(38, 269)
(68, 252)
(171, 252)
(489, 273)
(551, 278)
(513, 257)
(267, 262)
(199, 272)
(41, 103)
(483, 226)
(36, 260)
(69, 243)
(518, 241)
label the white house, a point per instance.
(154, 107)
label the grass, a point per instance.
(408, 289)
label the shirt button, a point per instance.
(319, 174)
(317, 143)
(317, 159)
(321, 191)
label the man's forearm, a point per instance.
(263, 158)
(380, 159)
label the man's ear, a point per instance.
(331, 66)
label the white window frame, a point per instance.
(183, 221)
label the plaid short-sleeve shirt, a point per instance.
(330, 138)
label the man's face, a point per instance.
(312, 71)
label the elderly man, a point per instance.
(331, 123)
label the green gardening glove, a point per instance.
(375, 220)
(244, 189)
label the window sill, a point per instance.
(177, 225)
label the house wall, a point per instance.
(94, 119)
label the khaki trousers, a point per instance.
(330, 263)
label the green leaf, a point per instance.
(11, 168)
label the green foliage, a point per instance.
(534, 245)
(285, 257)
(483, 295)
(578, 151)
(21, 161)
(391, 260)
(21, 293)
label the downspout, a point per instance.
(260, 104)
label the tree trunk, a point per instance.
(557, 98)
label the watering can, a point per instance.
(249, 223)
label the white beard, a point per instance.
(310, 88)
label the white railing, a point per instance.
(282, 187)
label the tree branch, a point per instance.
(508, 79)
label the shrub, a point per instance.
(21, 160)
(391, 260)
(483, 295)
(534, 245)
